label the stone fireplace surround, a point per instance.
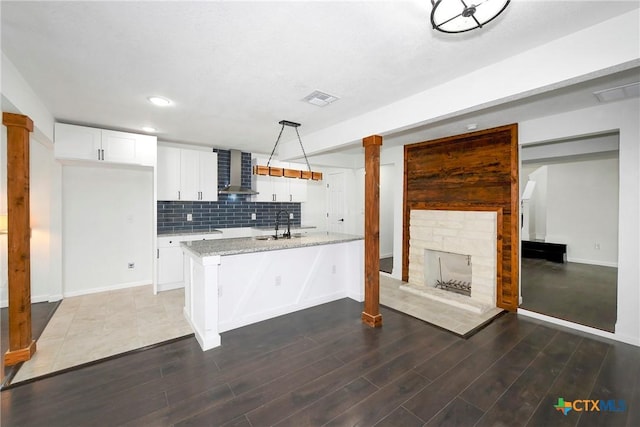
(472, 232)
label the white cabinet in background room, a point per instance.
(86, 143)
(189, 175)
(278, 188)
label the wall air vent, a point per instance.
(320, 99)
(617, 93)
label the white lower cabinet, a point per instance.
(170, 259)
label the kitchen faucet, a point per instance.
(286, 235)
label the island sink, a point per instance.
(291, 236)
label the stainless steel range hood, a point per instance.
(235, 176)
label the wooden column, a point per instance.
(21, 345)
(371, 314)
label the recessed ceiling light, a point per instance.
(159, 101)
(149, 129)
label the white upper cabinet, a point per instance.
(77, 142)
(101, 145)
(278, 188)
(297, 187)
(189, 175)
(208, 175)
(168, 173)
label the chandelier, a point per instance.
(458, 16)
(286, 172)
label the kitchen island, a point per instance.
(231, 283)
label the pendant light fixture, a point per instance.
(285, 172)
(458, 16)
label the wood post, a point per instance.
(21, 345)
(371, 314)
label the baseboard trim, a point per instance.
(170, 286)
(578, 327)
(593, 262)
(106, 288)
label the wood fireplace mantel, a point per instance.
(474, 171)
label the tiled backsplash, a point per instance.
(172, 216)
(229, 211)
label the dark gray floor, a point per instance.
(386, 264)
(322, 366)
(580, 293)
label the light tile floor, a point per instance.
(95, 326)
(454, 319)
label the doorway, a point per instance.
(336, 206)
(569, 229)
(386, 217)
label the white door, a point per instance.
(336, 214)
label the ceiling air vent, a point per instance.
(320, 99)
(617, 93)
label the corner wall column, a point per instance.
(371, 314)
(21, 345)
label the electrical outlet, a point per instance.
(278, 280)
(597, 246)
(131, 265)
(253, 216)
(189, 217)
(290, 216)
(333, 269)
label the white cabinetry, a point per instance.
(187, 174)
(297, 187)
(278, 188)
(85, 143)
(170, 270)
(171, 260)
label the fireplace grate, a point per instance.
(457, 286)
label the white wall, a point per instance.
(582, 210)
(538, 204)
(46, 276)
(386, 210)
(622, 116)
(107, 223)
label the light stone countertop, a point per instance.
(243, 245)
(190, 233)
(284, 227)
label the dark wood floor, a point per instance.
(386, 265)
(321, 366)
(41, 313)
(580, 293)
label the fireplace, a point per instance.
(448, 271)
(453, 257)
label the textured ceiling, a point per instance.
(234, 69)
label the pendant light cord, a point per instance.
(295, 126)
